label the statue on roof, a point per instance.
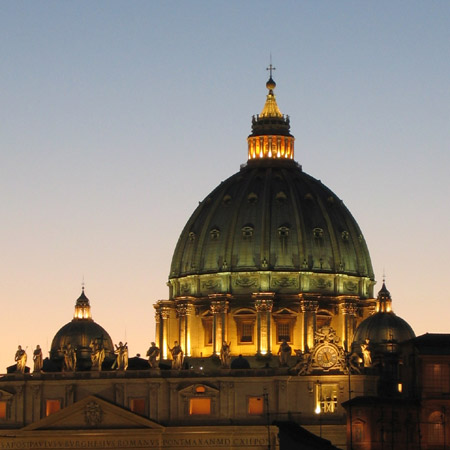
(37, 359)
(70, 358)
(21, 359)
(97, 353)
(177, 356)
(153, 353)
(121, 352)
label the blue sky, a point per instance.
(117, 118)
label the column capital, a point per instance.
(165, 312)
(263, 305)
(219, 306)
(349, 308)
(309, 305)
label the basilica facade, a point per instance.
(270, 325)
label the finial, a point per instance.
(271, 68)
(82, 284)
(270, 83)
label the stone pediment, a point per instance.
(198, 388)
(4, 395)
(92, 413)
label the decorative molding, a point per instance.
(210, 284)
(285, 282)
(245, 281)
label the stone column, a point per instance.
(182, 329)
(158, 337)
(309, 309)
(184, 333)
(219, 309)
(164, 331)
(349, 310)
(263, 306)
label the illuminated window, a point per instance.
(200, 389)
(436, 378)
(208, 329)
(245, 324)
(199, 406)
(256, 406)
(137, 405)
(436, 428)
(3, 406)
(52, 406)
(326, 398)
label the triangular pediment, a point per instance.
(5, 396)
(92, 413)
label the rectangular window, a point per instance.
(3, 406)
(283, 331)
(52, 406)
(436, 378)
(256, 406)
(137, 405)
(199, 406)
(247, 332)
(208, 328)
(326, 398)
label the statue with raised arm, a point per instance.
(121, 352)
(284, 353)
(366, 353)
(225, 355)
(21, 359)
(70, 358)
(37, 359)
(177, 356)
(153, 353)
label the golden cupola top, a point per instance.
(271, 108)
(270, 138)
(82, 307)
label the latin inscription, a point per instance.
(133, 443)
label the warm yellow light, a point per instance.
(400, 387)
(317, 410)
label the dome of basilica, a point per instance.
(384, 328)
(271, 255)
(270, 218)
(81, 333)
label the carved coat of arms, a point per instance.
(93, 414)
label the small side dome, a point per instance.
(384, 329)
(80, 333)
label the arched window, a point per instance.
(436, 423)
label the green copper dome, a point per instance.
(271, 227)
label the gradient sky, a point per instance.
(118, 117)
